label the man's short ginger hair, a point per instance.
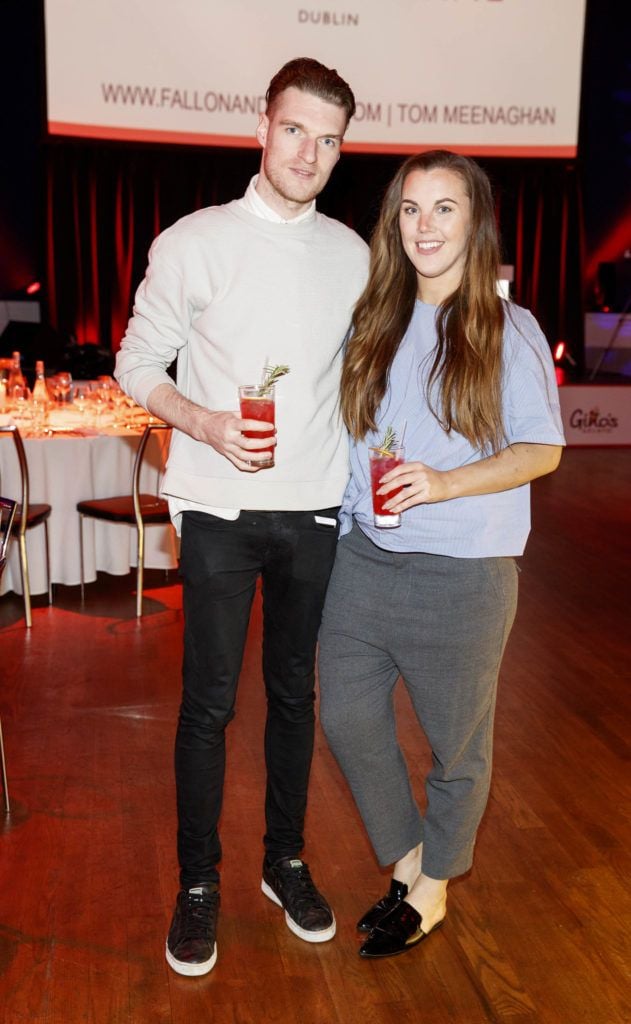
(310, 76)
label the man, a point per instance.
(261, 280)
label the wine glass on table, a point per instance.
(80, 398)
(118, 399)
(130, 416)
(62, 386)
(104, 387)
(20, 407)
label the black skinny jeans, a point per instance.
(220, 564)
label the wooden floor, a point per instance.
(537, 933)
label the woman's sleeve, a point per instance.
(530, 394)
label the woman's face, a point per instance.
(434, 220)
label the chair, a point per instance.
(7, 515)
(27, 517)
(134, 509)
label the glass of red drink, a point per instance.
(256, 402)
(381, 462)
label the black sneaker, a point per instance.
(307, 913)
(191, 947)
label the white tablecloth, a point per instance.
(65, 469)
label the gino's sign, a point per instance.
(594, 421)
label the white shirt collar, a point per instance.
(253, 203)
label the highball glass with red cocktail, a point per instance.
(381, 462)
(257, 402)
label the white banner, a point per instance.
(484, 77)
(596, 415)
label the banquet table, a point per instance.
(74, 465)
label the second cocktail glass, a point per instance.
(381, 462)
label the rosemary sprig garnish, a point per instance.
(389, 442)
(272, 374)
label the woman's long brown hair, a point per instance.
(467, 365)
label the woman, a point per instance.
(467, 378)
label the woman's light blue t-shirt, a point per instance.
(483, 526)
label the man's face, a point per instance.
(301, 142)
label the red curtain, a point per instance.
(107, 202)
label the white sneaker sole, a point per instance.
(191, 970)
(321, 936)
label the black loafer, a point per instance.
(372, 917)
(397, 932)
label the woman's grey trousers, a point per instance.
(442, 624)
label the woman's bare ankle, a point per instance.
(408, 869)
(429, 897)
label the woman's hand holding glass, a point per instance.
(421, 485)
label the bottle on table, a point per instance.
(40, 388)
(16, 377)
(40, 401)
(5, 367)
